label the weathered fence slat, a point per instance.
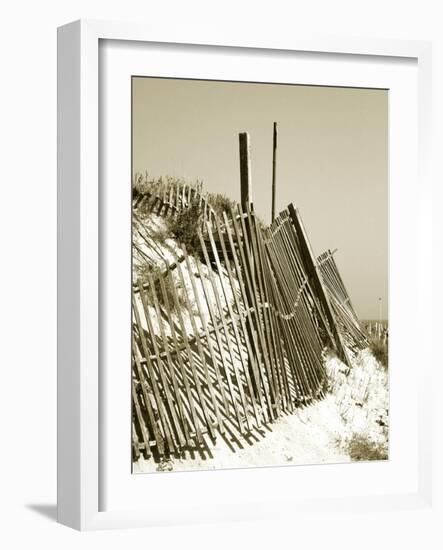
(314, 272)
(227, 337)
(140, 423)
(252, 304)
(177, 348)
(178, 306)
(259, 271)
(159, 402)
(218, 326)
(257, 296)
(252, 336)
(156, 433)
(211, 351)
(245, 365)
(175, 388)
(161, 368)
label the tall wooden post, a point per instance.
(245, 201)
(274, 170)
(245, 170)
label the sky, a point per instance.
(332, 160)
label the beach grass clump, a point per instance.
(184, 226)
(143, 184)
(361, 448)
(220, 203)
(379, 350)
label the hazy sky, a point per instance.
(332, 160)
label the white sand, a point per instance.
(316, 434)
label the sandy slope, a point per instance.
(356, 404)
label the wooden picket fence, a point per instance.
(346, 319)
(230, 338)
(168, 197)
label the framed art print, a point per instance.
(247, 347)
(234, 224)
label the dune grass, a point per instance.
(360, 448)
(380, 351)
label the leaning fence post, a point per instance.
(315, 275)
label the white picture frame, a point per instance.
(79, 256)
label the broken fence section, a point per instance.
(346, 319)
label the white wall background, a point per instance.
(28, 272)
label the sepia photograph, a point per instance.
(260, 265)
